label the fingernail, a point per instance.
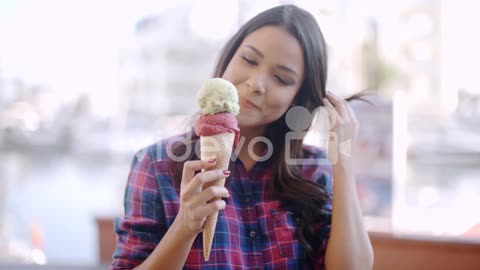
(226, 172)
(212, 160)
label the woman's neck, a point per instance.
(247, 135)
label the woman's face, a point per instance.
(268, 70)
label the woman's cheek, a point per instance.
(234, 71)
(277, 105)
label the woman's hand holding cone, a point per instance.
(194, 206)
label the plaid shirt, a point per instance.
(252, 232)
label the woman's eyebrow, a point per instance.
(282, 67)
(255, 50)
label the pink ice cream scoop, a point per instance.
(225, 122)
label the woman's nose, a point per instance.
(257, 84)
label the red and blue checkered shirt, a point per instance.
(253, 231)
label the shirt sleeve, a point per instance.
(324, 226)
(143, 224)
(324, 177)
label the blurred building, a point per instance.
(420, 57)
(164, 65)
(2, 91)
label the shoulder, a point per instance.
(311, 151)
(316, 165)
(315, 159)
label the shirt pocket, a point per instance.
(281, 230)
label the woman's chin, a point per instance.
(246, 120)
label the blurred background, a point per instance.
(84, 84)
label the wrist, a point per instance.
(345, 167)
(180, 228)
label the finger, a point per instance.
(210, 193)
(351, 115)
(192, 166)
(211, 208)
(206, 177)
(339, 104)
(332, 113)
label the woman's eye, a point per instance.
(250, 62)
(283, 81)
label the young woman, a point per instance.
(276, 215)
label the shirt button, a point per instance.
(252, 234)
(247, 199)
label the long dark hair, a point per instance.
(305, 197)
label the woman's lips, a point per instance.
(249, 105)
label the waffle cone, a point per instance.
(220, 147)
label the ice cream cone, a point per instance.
(218, 129)
(217, 146)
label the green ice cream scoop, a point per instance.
(218, 95)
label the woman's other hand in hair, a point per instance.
(344, 129)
